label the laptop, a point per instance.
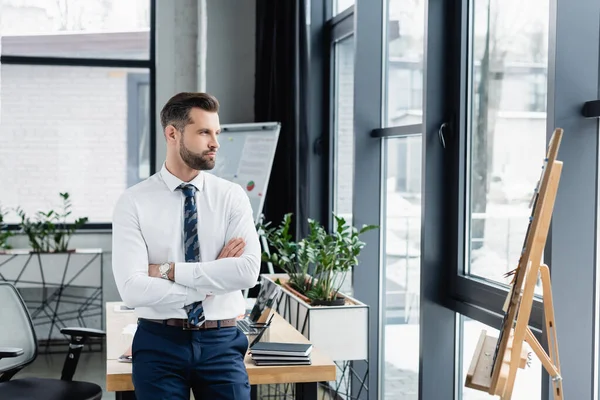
(256, 318)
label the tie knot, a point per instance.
(188, 190)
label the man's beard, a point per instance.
(194, 160)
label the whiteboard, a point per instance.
(245, 156)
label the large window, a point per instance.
(507, 129)
(454, 103)
(66, 129)
(76, 104)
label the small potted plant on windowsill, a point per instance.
(315, 268)
(49, 232)
(316, 265)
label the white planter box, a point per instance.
(60, 289)
(341, 332)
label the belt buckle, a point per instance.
(189, 327)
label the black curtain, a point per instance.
(281, 84)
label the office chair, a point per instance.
(16, 332)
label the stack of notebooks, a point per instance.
(274, 353)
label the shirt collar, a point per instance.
(173, 182)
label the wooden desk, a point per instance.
(306, 377)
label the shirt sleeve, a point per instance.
(130, 264)
(227, 275)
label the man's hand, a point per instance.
(234, 248)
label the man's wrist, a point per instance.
(171, 273)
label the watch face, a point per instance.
(164, 268)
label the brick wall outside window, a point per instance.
(63, 129)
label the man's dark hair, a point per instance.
(177, 110)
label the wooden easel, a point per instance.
(495, 362)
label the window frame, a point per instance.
(149, 64)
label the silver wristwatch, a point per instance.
(164, 270)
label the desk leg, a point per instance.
(307, 391)
(253, 392)
(125, 395)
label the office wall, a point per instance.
(229, 71)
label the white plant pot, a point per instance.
(60, 289)
(341, 332)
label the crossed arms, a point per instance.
(139, 283)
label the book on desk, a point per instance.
(275, 353)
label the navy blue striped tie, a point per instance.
(195, 311)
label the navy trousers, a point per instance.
(168, 361)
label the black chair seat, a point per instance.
(49, 389)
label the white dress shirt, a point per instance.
(148, 229)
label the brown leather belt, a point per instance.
(185, 325)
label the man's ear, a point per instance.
(170, 133)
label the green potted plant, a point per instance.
(333, 255)
(48, 232)
(316, 265)
(315, 268)
(4, 232)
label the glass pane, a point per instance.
(404, 64)
(507, 125)
(65, 129)
(341, 5)
(402, 267)
(75, 28)
(343, 139)
(528, 382)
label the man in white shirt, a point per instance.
(184, 247)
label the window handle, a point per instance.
(443, 128)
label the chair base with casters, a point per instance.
(18, 333)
